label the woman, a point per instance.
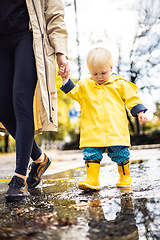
(31, 34)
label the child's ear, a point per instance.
(111, 68)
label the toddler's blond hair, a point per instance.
(98, 59)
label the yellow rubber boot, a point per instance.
(92, 179)
(125, 177)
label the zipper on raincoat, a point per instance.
(42, 36)
(102, 114)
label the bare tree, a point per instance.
(144, 57)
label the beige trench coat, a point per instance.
(49, 38)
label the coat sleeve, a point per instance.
(73, 91)
(55, 25)
(131, 99)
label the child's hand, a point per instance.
(63, 62)
(60, 72)
(142, 117)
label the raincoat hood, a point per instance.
(115, 77)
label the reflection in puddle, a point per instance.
(123, 225)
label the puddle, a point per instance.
(57, 209)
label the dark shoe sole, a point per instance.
(38, 181)
(15, 198)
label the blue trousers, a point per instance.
(118, 154)
(18, 79)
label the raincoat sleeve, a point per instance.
(131, 99)
(55, 25)
(73, 91)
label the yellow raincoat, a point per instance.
(103, 114)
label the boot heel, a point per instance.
(91, 182)
(125, 177)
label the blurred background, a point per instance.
(130, 30)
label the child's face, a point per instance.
(101, 76)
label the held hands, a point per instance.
(142, 117)
(64, 65)
(60, 73)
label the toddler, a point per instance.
(104, 126)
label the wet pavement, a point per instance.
(58, 210)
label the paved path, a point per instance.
(92, 216)
(64, 160)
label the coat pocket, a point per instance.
(49, 49)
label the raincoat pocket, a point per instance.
(84, 129)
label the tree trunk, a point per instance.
(130, 122)
(6, 142)
(138, 126)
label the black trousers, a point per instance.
(18, 80)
